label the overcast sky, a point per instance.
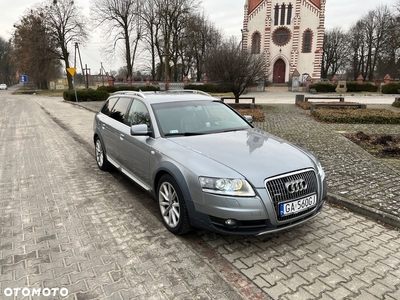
(225, 14)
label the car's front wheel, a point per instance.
(172, 206)
(101, 158)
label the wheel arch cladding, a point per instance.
(171, 169)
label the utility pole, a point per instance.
(80, 59)
(87, 76)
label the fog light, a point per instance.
(230, 223)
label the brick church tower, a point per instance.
(289, 33)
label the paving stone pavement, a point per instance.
(66, 224)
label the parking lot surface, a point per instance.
(65, 224)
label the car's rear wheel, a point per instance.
(172, 206)
(101, 158)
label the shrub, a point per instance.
(354, 116)
(396, 103)
(208, 88)
(306, 105)
(108, 89)
(256, 113)
(354, 87)
(86, 95)
(323, 87)
(113, 89)
(391, 88)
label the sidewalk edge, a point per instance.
(365, 210)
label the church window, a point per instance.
(276, 20)
(255, 43)
(283, 12)
(281, 36)
(289, 14)
(307, 39)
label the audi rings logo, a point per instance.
(296, 186)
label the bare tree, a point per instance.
(375, 24)
(174, 16)
(336, 52)
(357, 46)
(201, 36)
(65, 25)
(166, 23)
(121, 23)
(151, 35)
(234, 68)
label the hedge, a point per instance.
(86, 95)
(391, 88)
(354, 87)
(356, 116)
(208, 88)
(113, 89)
(323, 87)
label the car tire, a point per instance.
(172, 206)
(100, 155)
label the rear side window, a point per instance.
(118, 110)
(108, 106)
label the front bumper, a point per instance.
(253, 216)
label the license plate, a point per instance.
(297, 206)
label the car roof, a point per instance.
(168, 96)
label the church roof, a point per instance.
(317, 3)
(252, 4)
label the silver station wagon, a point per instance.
(206, 165)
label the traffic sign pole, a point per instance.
(72, 72)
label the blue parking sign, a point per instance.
(23, 78)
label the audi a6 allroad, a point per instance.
(206, 165)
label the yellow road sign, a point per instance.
(71, 71)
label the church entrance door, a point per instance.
(279, 71)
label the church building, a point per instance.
(290, 35)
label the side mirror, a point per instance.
(249, 119)
(140, 130)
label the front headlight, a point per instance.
(226, 186)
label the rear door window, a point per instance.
(109, 105)
(119, 110)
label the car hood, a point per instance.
(253, 153)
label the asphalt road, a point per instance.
(67, 226)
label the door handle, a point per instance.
(121, 137)
(103, 126)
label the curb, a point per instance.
(364, 210)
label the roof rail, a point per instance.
(140, 94)
(189, 92)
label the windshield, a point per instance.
(196, 117)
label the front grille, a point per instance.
(279, 193)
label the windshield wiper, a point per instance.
(234, 129)
(185, 133)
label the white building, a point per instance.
(289, 33)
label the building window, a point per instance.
(307, 40)
(283, 12)
(289, 14)
(276, 20)
(281, 36)
(255, 43)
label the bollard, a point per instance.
(299, 98)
